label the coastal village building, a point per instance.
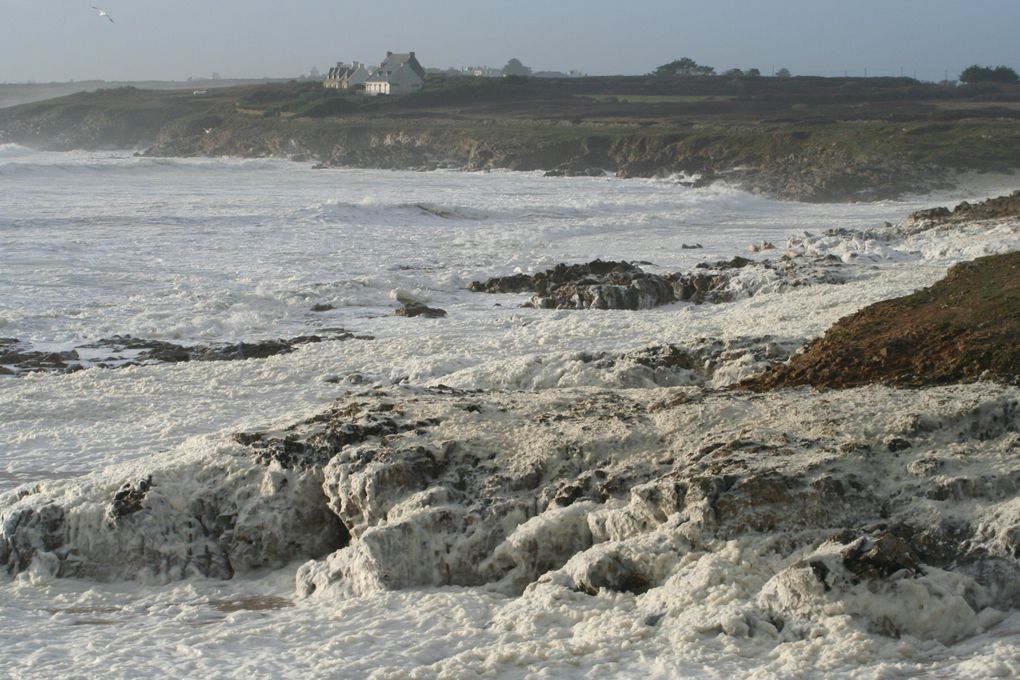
(346, 76)
(399, 74)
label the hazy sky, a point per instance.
(46, 40)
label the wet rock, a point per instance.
(880, 556)
(322, 307)
(572, 170)
(129, 498)
(244, 350)
(736, 262)
(170, 355)
(27, 361)
(413, 309)
(595, 285)
(335, 431)
(199, 521)
(140, 350)
(700, 287)
(613, 571)
(896, 444)
(993, 208)
(515, 283)
(26, 533)
(623, 285)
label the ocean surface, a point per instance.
(192, 251)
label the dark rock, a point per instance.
(624, 285)
(700, 287)
(26, 532)
(568, 494)
(897, 444)
(736, 263)
(413, 309)
(615, 573)
(516, 283)
(129, 498)
(323, 307)
(170, 355)
(31, 362)
(880, 556)
(653, 619)
(244, 350)
(343, 427)
(594, 285)
(151, 351)
(821, 571)
(993, 208)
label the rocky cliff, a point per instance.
(827, 159)
(809, 170)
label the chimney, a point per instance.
(388, 53)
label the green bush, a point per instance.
(987, 74)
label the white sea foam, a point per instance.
(224, 250)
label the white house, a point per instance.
(398, 74)
(346, 76)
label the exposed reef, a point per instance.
(120, 351)
(622, 285)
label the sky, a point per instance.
(60, 40)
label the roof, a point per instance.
(394, 60)
(345, 71)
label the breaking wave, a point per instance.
(13, 151)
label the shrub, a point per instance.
(988, 74)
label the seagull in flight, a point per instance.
(103, 13)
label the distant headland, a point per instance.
(799, 138)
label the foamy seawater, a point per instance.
(201, 251)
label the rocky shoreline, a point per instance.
(816, 176)
(851, 505)
(864, 489)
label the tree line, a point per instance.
(688, 67)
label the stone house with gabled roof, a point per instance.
(346, 76)
(399, 74)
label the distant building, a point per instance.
(399, 74)
(483, 72)
(558, 74)
(346, 76)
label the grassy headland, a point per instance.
(801, 138)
